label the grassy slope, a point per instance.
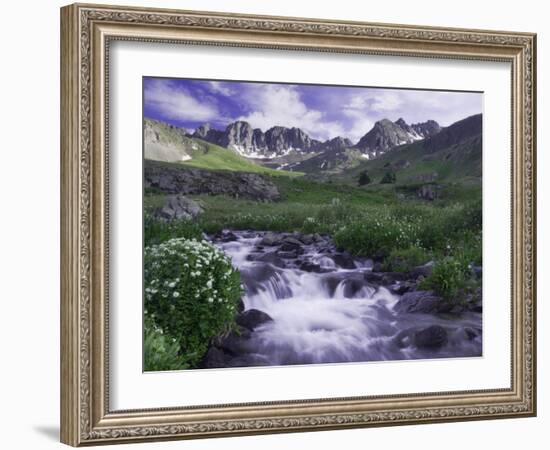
(301, 198)
(213, 157)
(331, 163)
(204, 155)
(457, 163)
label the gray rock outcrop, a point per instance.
(178, 207)
(173, 179)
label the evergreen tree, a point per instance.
(364, 178)
(389, 177)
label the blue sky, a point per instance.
(323, 112)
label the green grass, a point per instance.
(213, 157)
(459, 163)
(400, 231)
(304, 204)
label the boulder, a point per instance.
(240, 306)
(401, 288)
(420, 302)
(226, 236)
(271, 258)
(351, 282)
(215, 358)
(308, 266)
(401, 164)
(306, 239)
(290, 244)
(233, 343)
(403, 339)
(433, 337)
(271, 239)
(287, 254)
(344, 260)
(179, 207)
(428, 192)
(352, 286)
(424, 270)
(252, 319)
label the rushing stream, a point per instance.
(326, 308)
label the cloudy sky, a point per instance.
(322, 111)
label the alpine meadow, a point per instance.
(291, 224)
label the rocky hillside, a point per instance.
(165, 142)
(456, 133)
(453, 154)
(179, 179)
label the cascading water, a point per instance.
(324, 313)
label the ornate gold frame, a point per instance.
(86, 31)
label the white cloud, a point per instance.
(220, 88)
(176, 103)
(386, 101)
(360, 126)
(281, 105)
(375, 100)
(364, 108)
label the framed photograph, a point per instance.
(278, 224)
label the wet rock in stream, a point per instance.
(433, 337)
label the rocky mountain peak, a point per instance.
(386, 135)
(202, 131)
(254, 143)
(207, 133)
(426, 129)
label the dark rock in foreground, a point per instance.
(433, 337)
(344, 260)
(420, 302)
(215, 358)
(271, 239)
(226, 236)
(233, 343)
(252, 319)
(174, 179)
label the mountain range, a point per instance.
(416, 151)
(281, 141)
(454, 154)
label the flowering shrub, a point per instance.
(191, 294)
(448, 278)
